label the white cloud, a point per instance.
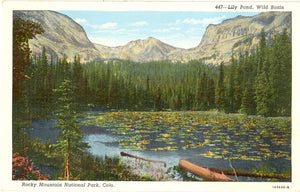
(178, 21)
(116, 31)
(214, 20)
(108, 25)
(111, 41)
(79, 20)
(180, 40)
(204, 21)
(139, 23)
(191, 21)
(166, 29)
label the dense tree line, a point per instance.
(253, 83)
(151, 86)
(260, 82)
(40, 91)
(123, 84)
(22, 32)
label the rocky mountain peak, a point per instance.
(62, 37)
(141, 50)
(65, 38)
(240, 34)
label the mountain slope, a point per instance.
(62, 36)
(150, 49)
(238, 35)
(219, 42)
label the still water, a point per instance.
(108, 142)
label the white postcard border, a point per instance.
(7, 184)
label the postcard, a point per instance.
(149, 96)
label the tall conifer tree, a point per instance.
(262, 92)
(220, 94)
(70, 139)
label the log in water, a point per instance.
(214, 173)
(133, 156)
(203, 172)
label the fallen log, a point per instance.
(137, 157)
(247, 174)
(203, 172)
(229, 172)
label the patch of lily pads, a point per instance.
(231, 136)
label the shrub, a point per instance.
(23, 170)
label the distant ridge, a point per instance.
(149, 49)
(65, 38)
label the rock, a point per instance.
(64, 37)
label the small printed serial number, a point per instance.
(219, 6)
(280, 187)
(226, 7)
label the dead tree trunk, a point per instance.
(203, 172)
(133, 156)
(206, 172)
(67, 171)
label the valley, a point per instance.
(77, 105)
(219, 42)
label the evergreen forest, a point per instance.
(253, 83)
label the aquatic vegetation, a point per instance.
(215, 134)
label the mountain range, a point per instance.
(63, 37)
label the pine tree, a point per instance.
(158, 100)
(69, 140)
(238, 85)
(230, 85)
(262, 92)
(280, 75)
(220, 92)
(205, 91)
(286, 74)
(79, 83)
(22, 32)
(262, 95)
(211, 94)
(45, 89)
(248, 103)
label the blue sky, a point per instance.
(179, 29)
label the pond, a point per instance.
(209, 139)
